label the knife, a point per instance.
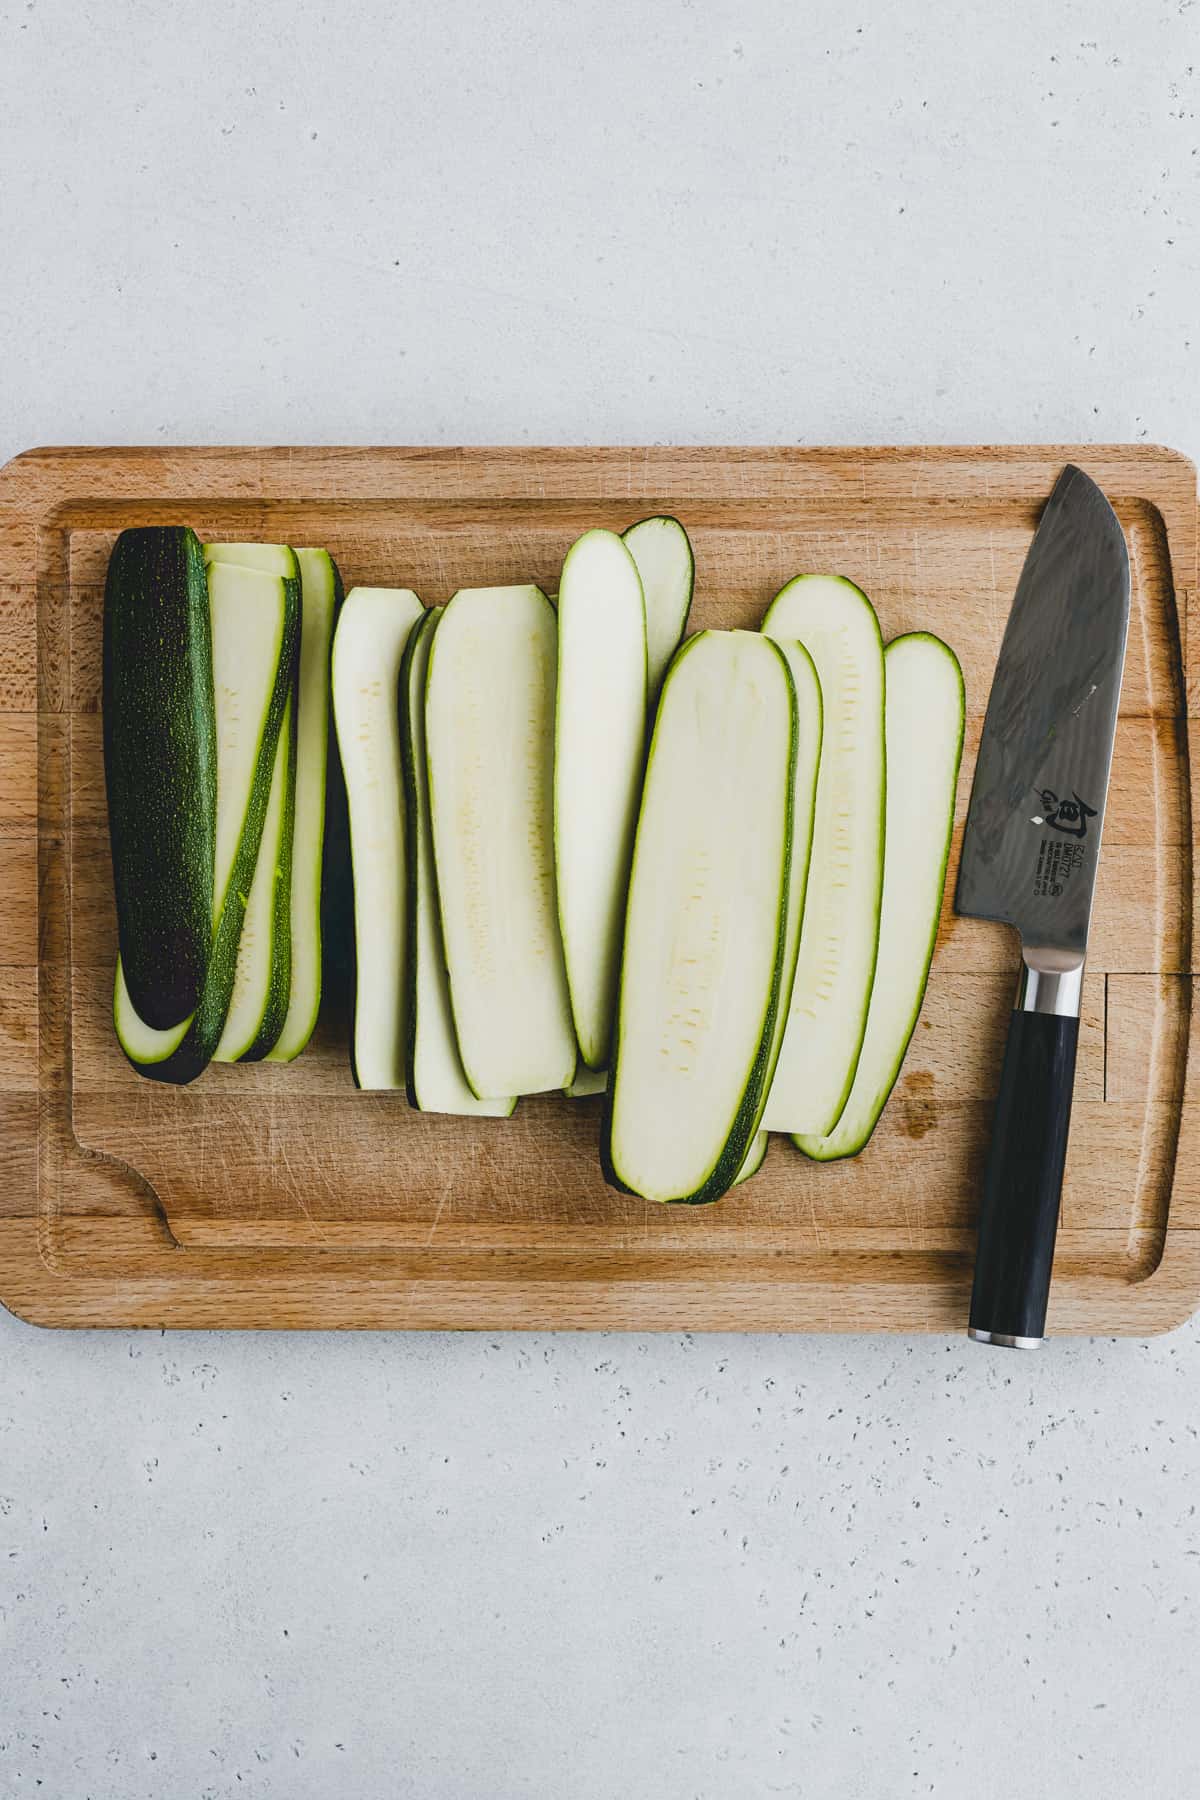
(1029, 859)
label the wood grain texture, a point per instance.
(278, 1196)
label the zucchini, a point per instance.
(337, 901)
(272, 559)
(809, 725)
(258, 1003)
(160, 766)
(924, 720)
(262, 980)
(706, 930)
(255, 633)
(586, 1083)
(662, 551)
(433, 1068)
(320, 598)
(368, 647)
(599, 752)
(489, 724)
(756, 1156)
(835, 968)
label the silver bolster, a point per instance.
(1045, 985)
(1005, 1339)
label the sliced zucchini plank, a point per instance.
(706, 926)
(924, 745)
(489, 722)
(433, 1067)
(599, 753)
(258, 1003)
(273, 559)
(662, 551)
(262, 980)
(804, 795)
(160, 766)
(836, 623)
(368, 647)
(320, 598)
(255, 633)
(755, 1158)
(586, 1083)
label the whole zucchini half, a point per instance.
(255, 635)
(160, 766)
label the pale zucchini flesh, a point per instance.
(489, 721)
(368, 647)
(835, 966)
(262, 981)
(804, 793)
(587, 1082)
(662, 551)
(706, 925)
(321, 593)
(433, 1068)
(260, 984)
(255, 621)
(599, 752)
(924, 720)
(272, 559)
(808, 753)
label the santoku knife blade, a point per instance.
(1029, 859)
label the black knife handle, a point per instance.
(1022, 1188)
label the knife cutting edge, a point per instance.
(1030, 854)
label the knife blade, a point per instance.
(1030, 855)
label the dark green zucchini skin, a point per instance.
(339, 969)
(195, 1052)
(160, 766)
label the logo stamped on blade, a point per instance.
(1058, 861)
(1068, 816)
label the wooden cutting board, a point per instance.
(278, 1196)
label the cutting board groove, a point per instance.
(278, 1196)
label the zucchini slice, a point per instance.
(320, 598)
(262, 979)
(662, 551)
(586, 1083)
(706, 927)
(272, 559)
(599, 754)
(809, 725)
(924, 718)
(836, 623)
(489, 724)
(255, 633)
(756, 1156)
(368, 647)
(160, 766)
(433, 1067)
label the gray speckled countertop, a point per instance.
(597, 1568)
